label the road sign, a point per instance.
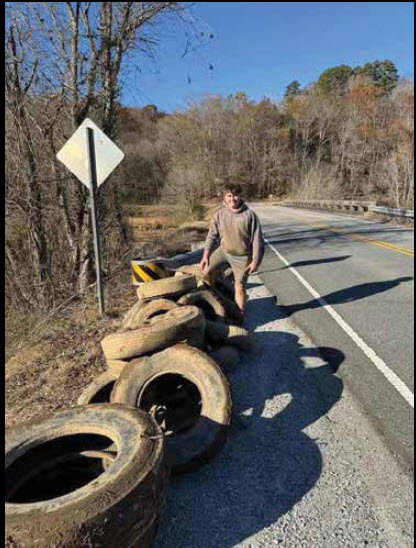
(74, 154)
(91, 156)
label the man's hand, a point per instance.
(252, 267)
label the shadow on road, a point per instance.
(269, 463)
(308, 263)
(350, 294)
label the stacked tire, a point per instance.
(96, 475)
(170, 357)
(189, 396)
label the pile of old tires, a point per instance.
(96, 475)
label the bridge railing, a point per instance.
(362, 206)
(394, 212)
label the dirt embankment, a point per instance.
(58, 355)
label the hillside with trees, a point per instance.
(348, 135)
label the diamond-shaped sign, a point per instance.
(74, 154)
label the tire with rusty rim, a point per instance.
(168, 287)
(190, 397)
(208, 302)
(180, 324)
(99, 391)
(57, 492)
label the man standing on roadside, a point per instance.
(234, 237)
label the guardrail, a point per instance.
(394, 212)
(351, 205)
(340, 205)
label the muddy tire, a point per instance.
(58, 495)
(99, 391)
(208, 302)
(232, 310)
(147, 311)
(224, 289)
(193, 270)
(197, 418)
(229, 334)
(225, 282)
(117, 366)
(227, 357)
(130, 315)
(169, 287)
(180, 324)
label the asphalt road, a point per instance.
(364, 273)
(304, 466)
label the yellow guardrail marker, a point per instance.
(148, 271)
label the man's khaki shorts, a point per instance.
(237, 263)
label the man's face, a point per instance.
(232, 200)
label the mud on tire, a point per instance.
(147, 311)
(168, 287)
(229, 334)
(180, 324)
(99, 391)
(208, 302)
(58, 494)
(188, 393)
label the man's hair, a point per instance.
(235, 188)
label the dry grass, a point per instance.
(150, 223)
(140, 210)
(164, 243)
(197, 226)
(210, 212)
(60, 355)
(146, 219)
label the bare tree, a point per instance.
(18, 88)
(66, 61)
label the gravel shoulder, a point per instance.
(303, 465)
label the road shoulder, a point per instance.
(303, 465)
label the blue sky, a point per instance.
(260, 47)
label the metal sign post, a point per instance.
(92, 172)
(91, 156)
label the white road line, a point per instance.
(390, 375)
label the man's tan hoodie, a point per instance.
(238, 232)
